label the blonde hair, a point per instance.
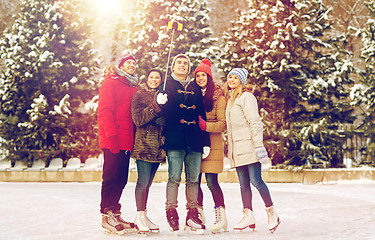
(111, 69)
(237, 92)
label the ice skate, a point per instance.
(128, 226)
(220, 220)
(173, 220)
(141, 223)
(111, 225)
(151, 226)
(248, 220)
(193, 223)
(273, 219)
(201, 214)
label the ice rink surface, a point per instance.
(64, 211)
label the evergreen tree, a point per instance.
(48, 79)
(301, 76)
(364, 92)
(149, 36)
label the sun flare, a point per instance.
(107, 5)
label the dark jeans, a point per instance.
(146, 174)
(213, 185)
(252, 173)
(115, 178)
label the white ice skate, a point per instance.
(273, 219)
(152, 226)
(220, 220)
(141, 223)
(248, 220)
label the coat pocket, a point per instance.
(243, 146)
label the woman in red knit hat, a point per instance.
(212, 165)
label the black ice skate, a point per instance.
(173, 220)
(193, 223)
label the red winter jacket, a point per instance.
(114, 112)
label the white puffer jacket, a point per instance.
(245, 130)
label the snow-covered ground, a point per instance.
(54, 211)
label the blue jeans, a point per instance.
(252, 173)
(146, 174)
(192, 161)
(213, 185)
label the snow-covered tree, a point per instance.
(301, 75)
(49, 76)
(149, 37)
(364, 92)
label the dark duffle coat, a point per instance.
(182, 109)
(148, 136)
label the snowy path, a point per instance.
(54, 211)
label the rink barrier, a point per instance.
(307, 176)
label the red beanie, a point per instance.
(204, 66)
(124, 58)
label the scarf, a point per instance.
(204, 91)
(133, 79)
(184, 83)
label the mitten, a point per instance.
(202, 124)
(262, 155)
(206, 152)
(113, 144)
(161, 98)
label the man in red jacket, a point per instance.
(116, 139)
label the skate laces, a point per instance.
(217, 215)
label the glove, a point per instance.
(161, 98)
(113, 144)
(160, 121)
(262, 155)
(206, 152)
(202, 124)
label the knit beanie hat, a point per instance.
(181, 56)
(241, 73)
(124, 58)
(204, 66)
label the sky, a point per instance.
(338, 210)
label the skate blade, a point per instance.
(154, 231)
(197, 231)
(272, 230)
(108, 232)
(219, 230)
(144, 234)
(130, 230)
(252, 227)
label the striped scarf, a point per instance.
(133, 79)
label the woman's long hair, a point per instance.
(237, 92)
(208, 98)
(111, 69)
